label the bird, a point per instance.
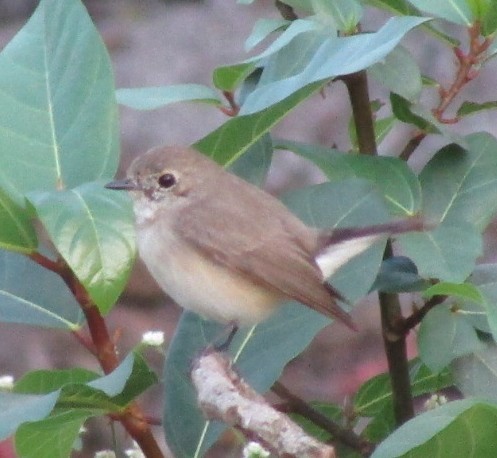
(228, 250)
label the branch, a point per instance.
(396, 351)
(391, 314)
(411, 146)
(467, 71)
(346, 436)
(102, 346)
(413, 320)
(357, 87)
(223, 395)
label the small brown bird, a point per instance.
(228, 250)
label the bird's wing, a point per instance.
(266, 251)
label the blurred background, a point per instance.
(154, 43)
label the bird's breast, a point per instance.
(197, 283)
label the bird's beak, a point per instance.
(126, 184)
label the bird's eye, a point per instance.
(167, 180)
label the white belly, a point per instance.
(200, 285)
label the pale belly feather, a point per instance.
(198, 284)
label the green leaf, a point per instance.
(375, 395)
(445, 335)
(92, 228)
(400, 73)
(374, 398)
(401, 7)
(462, 184)
(402, 109)
(82, 389)
(475, 374)
(392, 176)
(20, 408)
(343, 14)
(465, 291)
(284, 335)
(330, 411)
(485, 317)
(150, 98)
(41, 298)
(488, 16)
(44, 381)
(228, 142)
(16, 229)
(457, 11)
(457, 185)
(253, 166)
(296, 28)
(262, 29)
(397, 275)
(469, 108)
(56, 87)
(52, 437)
(459, 428)
(229, 77)
(334, 57)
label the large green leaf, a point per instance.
(57, 104)
(476, 374)
(262, 352)
(392, 176)
(20, 408)
(262, 29)
(16, 228)
(462, 184)
(82, 394)
(459, 189)
(457, 11)
(149, 98)
(374, 398)
(457, 429)
(53, 437)
(484, 316)
(376, 394)
(30, 294)
(253, 166)
(399, 72)
(445, 335)
(92, 229)
(334, 57)
(228, 142)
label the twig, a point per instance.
(467, 71)
(132, 418)
(223, 395)
(417, 316)
(411, 146)
(346, 436)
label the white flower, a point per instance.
(134, 452)
(435, 400)
(105, 454)
(255, 450)
(153, 338)
(6, 382)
